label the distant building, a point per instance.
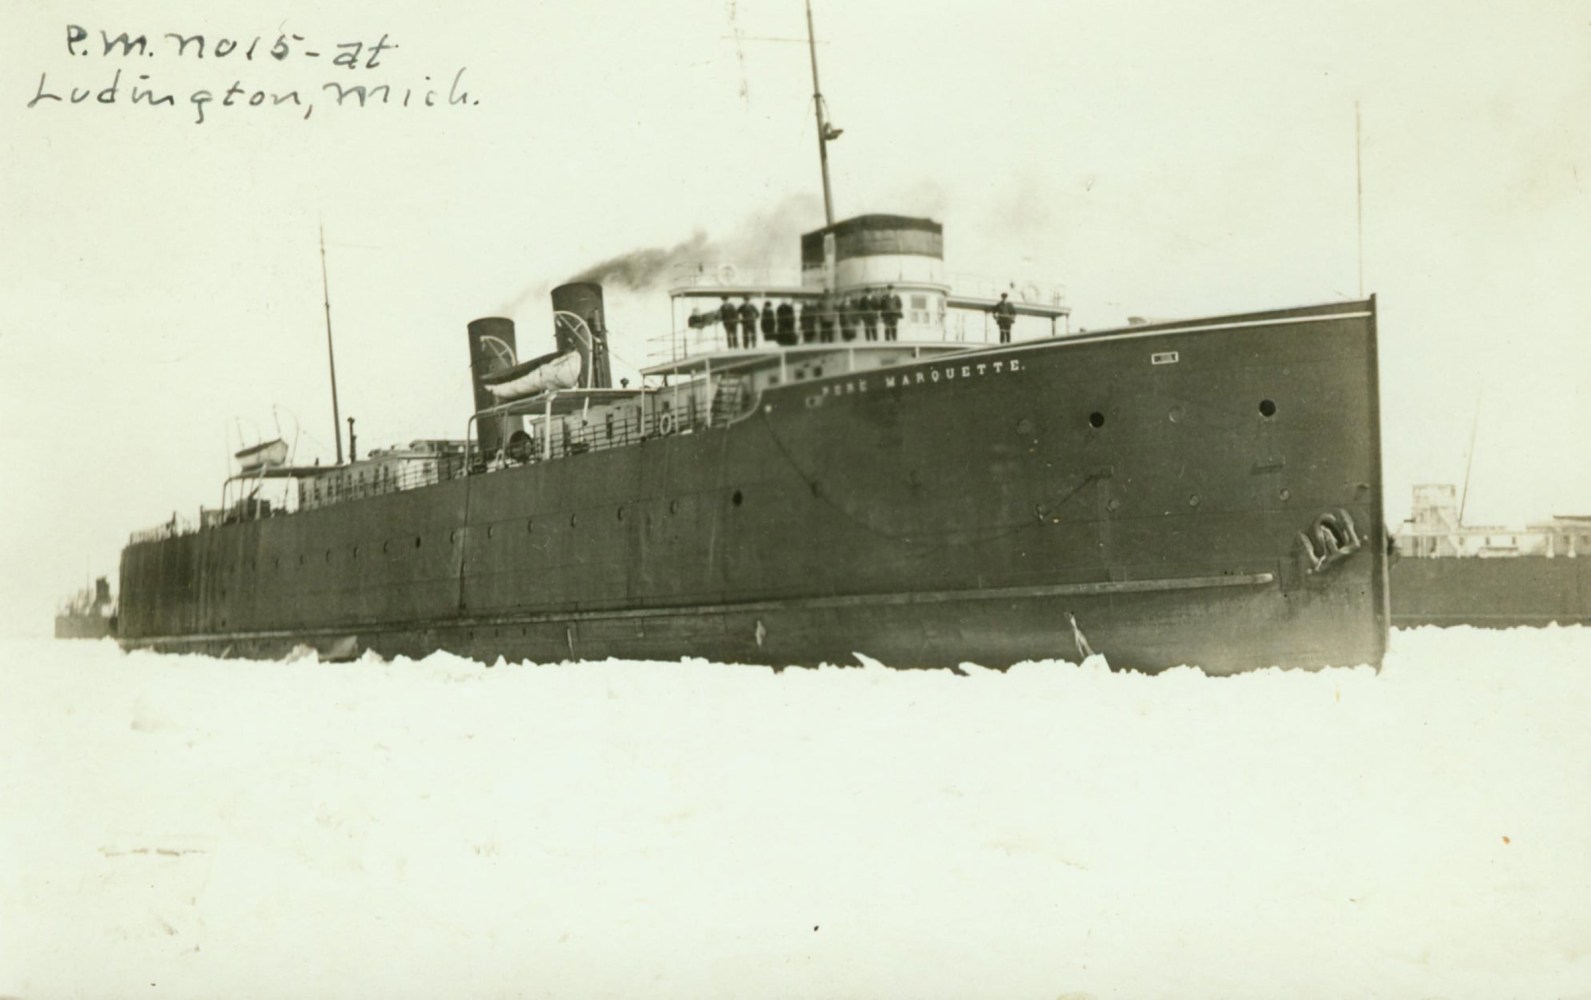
(1434, 531)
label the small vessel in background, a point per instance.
(88, 614)
(1448, 572)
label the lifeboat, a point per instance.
(265, 455)
(544, 374)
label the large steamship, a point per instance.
(1204, 491)
(1200, 492)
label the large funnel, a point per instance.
(579, 324)
(491, 349)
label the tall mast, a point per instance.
(1359, 197)
(1469, 459)
(825, 130)
(331, 357)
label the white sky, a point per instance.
(159, 278)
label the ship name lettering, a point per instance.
(926, 376)
(849, 388)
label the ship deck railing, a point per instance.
(956, 328)
(177, 526)
(760, 282)
(682, 410)
(382, 480)
(563, 428)
(745, 280)
(575, 422)
(964, 316)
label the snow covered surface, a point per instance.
(190, 827)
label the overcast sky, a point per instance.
(160, 282)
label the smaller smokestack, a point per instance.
(492, 348)
(583, 299)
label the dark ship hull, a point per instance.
(1153, 494)
(1491, 593)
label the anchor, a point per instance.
(1329, 540)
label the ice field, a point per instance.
(192, 827)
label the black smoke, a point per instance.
(642, 270)
(769, 239)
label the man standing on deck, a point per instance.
(826, 318)
(730, 317)
(890, 306)
(748, 322)
(809, 322)
(1004, 316)
(786, 323)
(868, 306)
(770, 328)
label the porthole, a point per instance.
(385, 547)
(1096, 419)
(1194, 501)
(328, 555)
(1113, 505)
(530, 525)
(416, 541)
(491, 529)
(738, 498)
(673, 506)
(573, 520)
(1024, 427)
(1267, 408)
(618, 514)
(356, 552)
(1284, 494)
(453, 535)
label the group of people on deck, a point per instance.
(823, 320)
